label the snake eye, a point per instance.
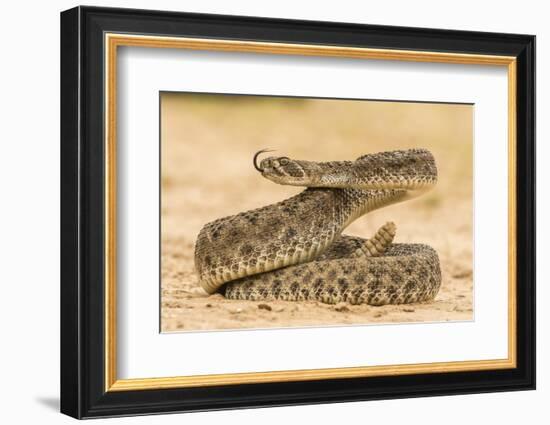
(284, 160)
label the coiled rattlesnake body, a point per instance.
(294, 250)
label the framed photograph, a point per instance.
(260, 212)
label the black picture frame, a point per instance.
(83, 392)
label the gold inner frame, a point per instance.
(113, 41)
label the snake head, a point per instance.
(284, 170)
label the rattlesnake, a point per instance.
(294, 250)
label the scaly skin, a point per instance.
(293, 250)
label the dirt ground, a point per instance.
(207, 144)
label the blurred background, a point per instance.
(207, 144)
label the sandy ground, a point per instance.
(207, 147)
